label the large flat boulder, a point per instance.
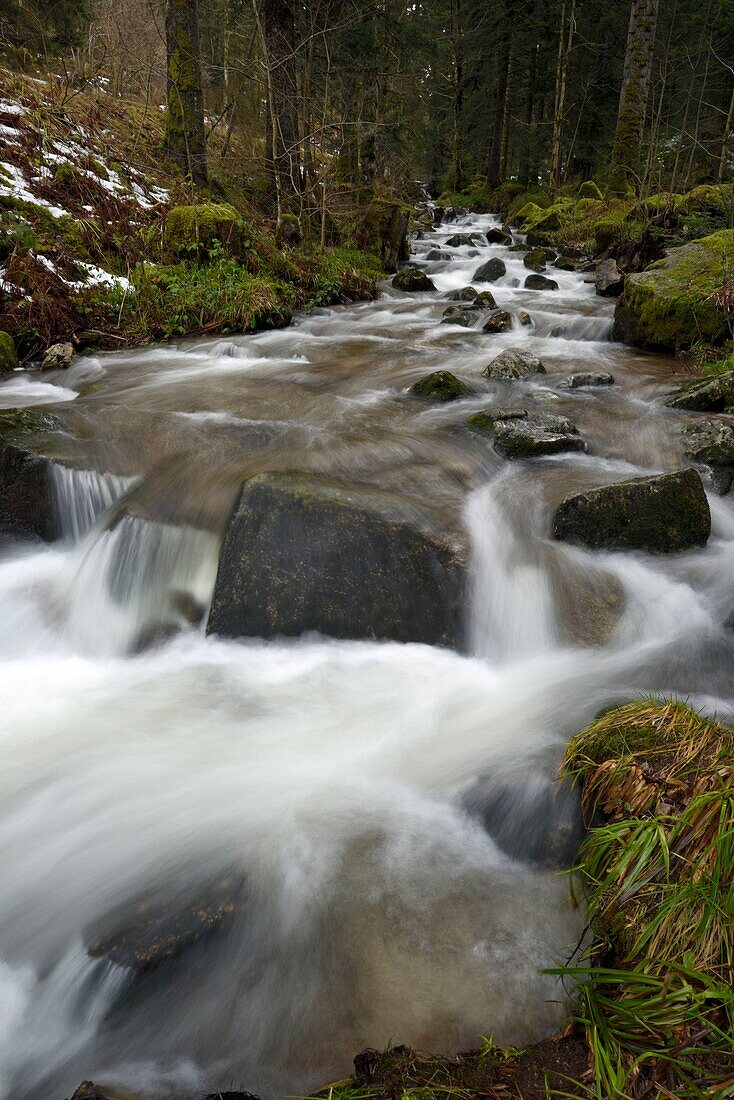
(671, 303)
(710, 443)
(706, 395)
(306, 554)
(26, 504)
(662, 514)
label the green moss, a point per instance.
(584, 207)
(8, 354)
(670, 305)
(708, 200)
(589, 190)
(442, 385)
(607, 233)
(383, 229)
(528, 214)
(193, 230)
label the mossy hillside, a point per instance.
(192, 230)
(8, 354)
(670, 305)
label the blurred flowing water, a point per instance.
(379, 810)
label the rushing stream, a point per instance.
(372, 807)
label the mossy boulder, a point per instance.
(606, 234)
(551, 220)
(528, 214)
(662, 514)
(483, 422)
(464, 294)
(383, 229)
(412, 280)
(442, 385)
(485, 300)
(535, 259)
(589, 190)
(465, 316)
(706, 395)
(498, 320)
(192, 230)
(670, 305)
(535, 435)
(302, 554)
(8, 354)
(585, 208)
(513, 363)
(288, 234)
(566, 263)
(709, 200)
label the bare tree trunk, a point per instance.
(623, 171)
(185, 138)
(457, 142)
(726, 139)
(503, 72)
(277, 23)
(564, 50)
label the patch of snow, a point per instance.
(9, 108)
(95, 276)
(17, 188)
(9, 133)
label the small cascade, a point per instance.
(81, 496)
(511, 604)
(572, 326)
(128, 586)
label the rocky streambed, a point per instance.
(287, 692)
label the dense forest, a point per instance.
(355, 94)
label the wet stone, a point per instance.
(536, 435)
(490, 271)
(707, 395)
(465, 294)
(540, 282)
(589, 378)
(514, 363)
(442, 385)
(412, 279)
(710, 443)
(499, 320)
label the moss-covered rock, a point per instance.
(26, 504)
(528, 214)
(606, 233)
(670, 305)
(499, 320)
(551, 219)
(710, 200)
(535, 435)
(513, 363)
(662, 514)
(585, 207)
(8, 354)
(485, 300)
(383, 229)
(589, 190)
(442, 385)
(304, 554)
(192, 230)
(706, 395)
(535, 259)
(412, 279)
(288, 233)
(465, 294)
(710, 443)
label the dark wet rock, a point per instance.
(590, 378)
(565, 263)
(89, 1091)
(485, 300)
(514, 363)
(58, 357)
(524, 318)
(436, 254)
(8, 354)
(532, 818)
(165, 922)
(662, 514)
(460, 239)
(442, 385)
(383, 228)
(483, 422)
(608, 280)
(710, 443)
(497, 236)
(412, 279)
(306, 554)
(490, 271)
(536, 435)
(706, 395)
(540, 282)
(499, 320)
(465, 294)
(466, 317)
(26, 500)
(535, 259)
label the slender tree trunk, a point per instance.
(185, 138)
(565, 41)
(458, 106)
(277, 22)
(726, 138)
(503, 72)
(623, 171)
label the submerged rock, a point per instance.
(707, 395)
(608, 280)
(464, 316)
(483, 422)
(442, 385)
(662, 514)
(412, 279)
(490, 271)
(499, 320)
(436, 254)
(671, 303)
(305, 554)
(89, 1091)
(163, 923)
(710, 443)
(590, 378)
(540, 282)
(460, 239)
(57, 357)
(514, 363)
